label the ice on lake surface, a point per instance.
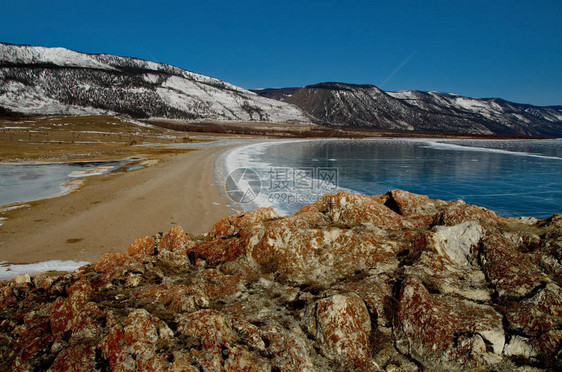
(30, 181)
(511, 177)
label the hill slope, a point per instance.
(38, 80)
(369, 106)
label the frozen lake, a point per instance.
(511, 177)
(30, 181)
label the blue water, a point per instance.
(513, 178)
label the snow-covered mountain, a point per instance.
(369, 106)
(38, 80)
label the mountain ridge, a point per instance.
(39, 80)
(365, 105)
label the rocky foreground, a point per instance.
(394, 282)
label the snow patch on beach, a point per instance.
(92, 171)
(6, 209)
(10, 271)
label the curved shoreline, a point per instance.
(230, 162)
(73, 180)
(110, 211)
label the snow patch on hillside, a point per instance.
(56, 56)
(144, 89)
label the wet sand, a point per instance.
(110, 211)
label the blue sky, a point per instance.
(508, 49)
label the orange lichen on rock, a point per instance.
(342, 325)
(109, 261)
(352, 282)
(231, 225)
(142, 246)
(175, 240)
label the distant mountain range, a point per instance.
(41, 81)
(368, 106)
(38, 80)
(276, 93)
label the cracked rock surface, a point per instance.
(394, 282)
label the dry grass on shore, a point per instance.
(303, 131)
(103, 137)
(73, 138)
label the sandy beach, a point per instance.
(110, 211)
